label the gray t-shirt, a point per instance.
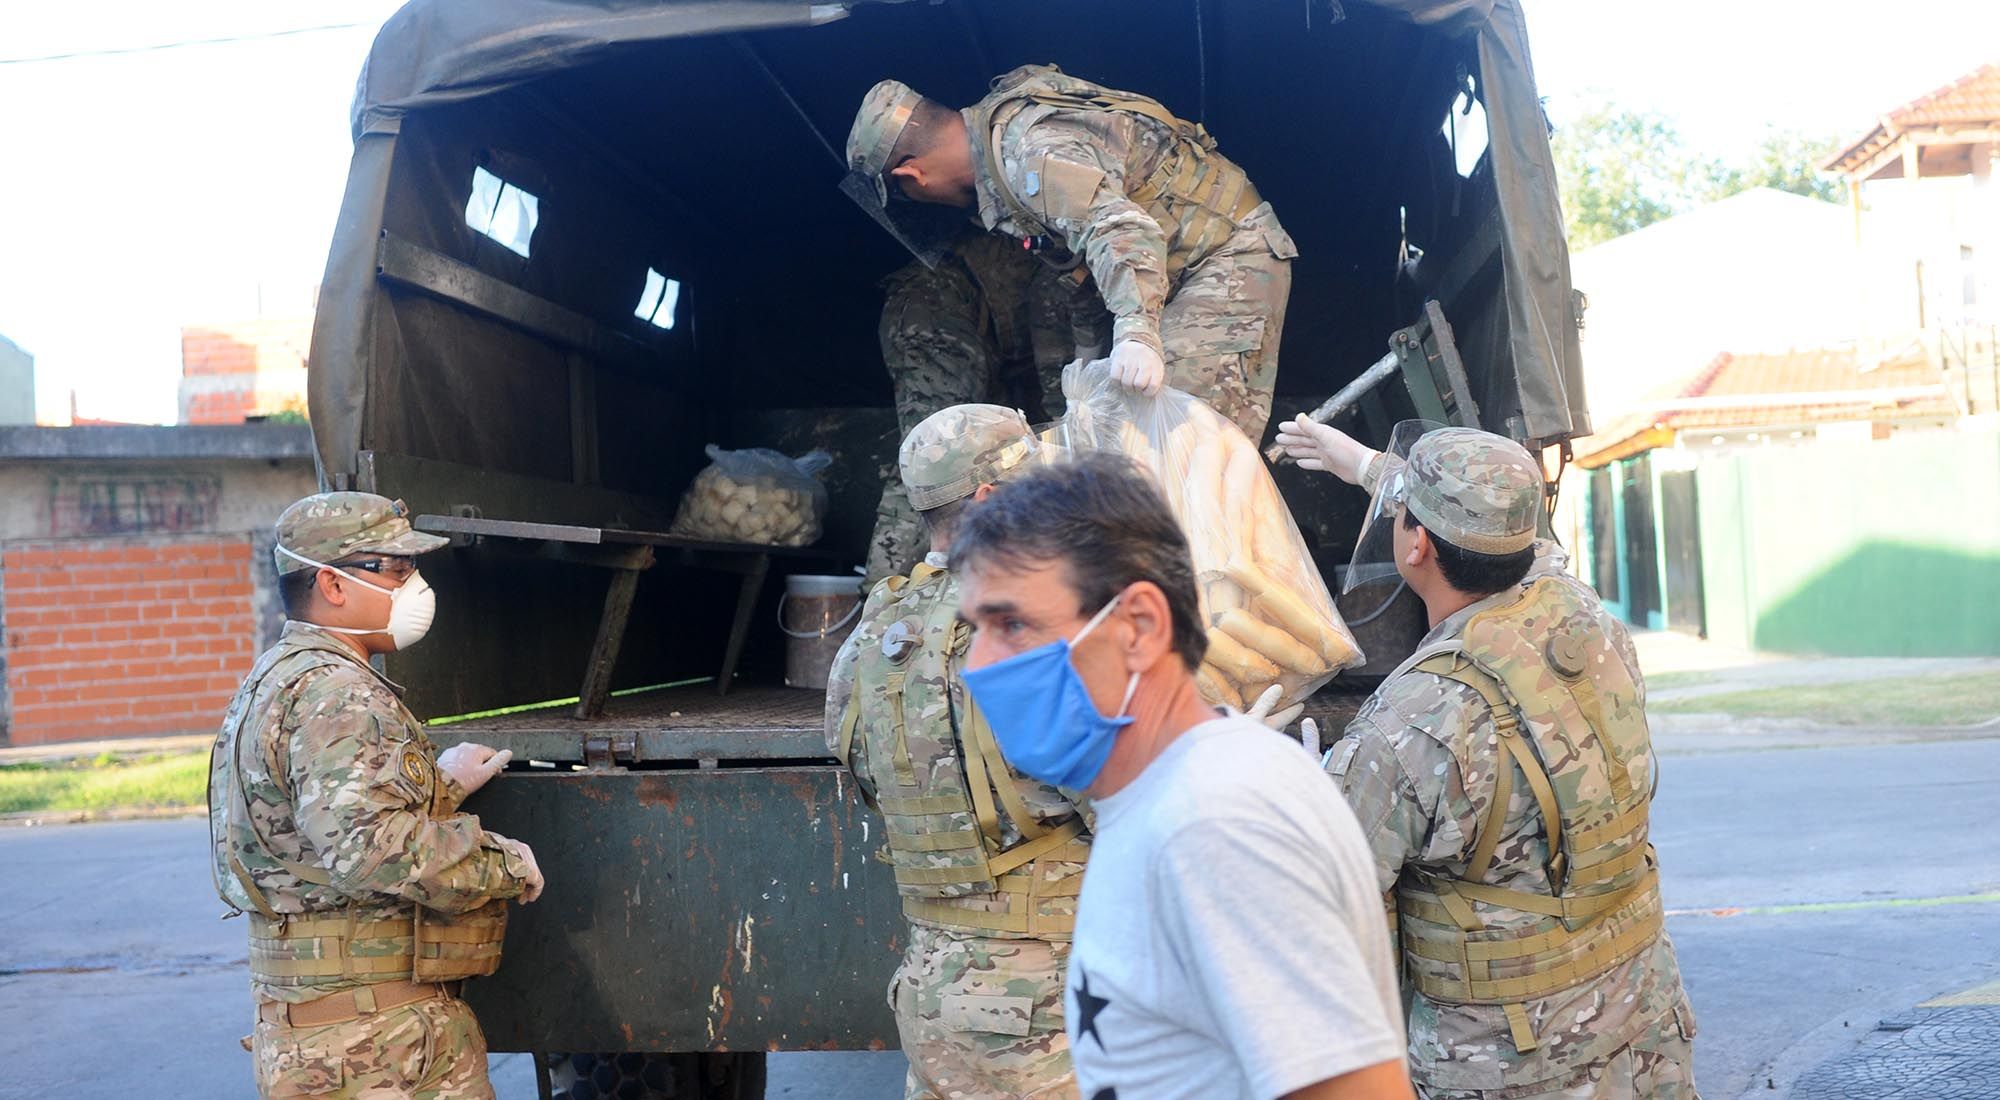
(1230, 941)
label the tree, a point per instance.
(1785, 160)
(1620, 170)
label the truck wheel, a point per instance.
(729, 1076)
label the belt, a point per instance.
(352, 1004)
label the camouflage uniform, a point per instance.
(989, 864)
(989, 323)
(1422, 766)
(1182, 251)
(331, 824)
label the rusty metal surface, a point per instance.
(752, 722)
(693, 909)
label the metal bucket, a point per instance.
(816, 613)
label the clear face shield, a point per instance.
(1375, 549)
(928, 231)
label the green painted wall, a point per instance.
(1888, 548)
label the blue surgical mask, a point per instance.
(1042, 716)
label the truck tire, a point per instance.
(722, 1076)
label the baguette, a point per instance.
(1273, 643)
(1216, 688)
(1238, 662)
(1287, 611)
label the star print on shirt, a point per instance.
(1088, 1008)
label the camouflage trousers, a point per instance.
(1223, 324)
(430, 1050)
(1658, 1066)
(982, 1017)
(940, 340)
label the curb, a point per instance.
(33, 818)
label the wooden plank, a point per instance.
(610, 638)
(746, 603)
(407, 264)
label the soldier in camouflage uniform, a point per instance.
(1503, 774)
(334, 823)
(988, 323)
(989, 864)
(1189, 260)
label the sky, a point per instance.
(143, 191)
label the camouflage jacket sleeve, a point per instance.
(1079, 162)
(1402, 781)
(361, 780)
(840, 690)
(839, 693)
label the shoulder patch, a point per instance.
(416, 768)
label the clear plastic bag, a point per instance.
(757, 496)
(1270, 617)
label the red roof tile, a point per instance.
(1972, 100)
(1781, 389)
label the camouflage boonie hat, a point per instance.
(327, 527)
(1476, 490)
(956, 450)
(885, 110)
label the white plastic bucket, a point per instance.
(816, 613)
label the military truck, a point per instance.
(581, 239)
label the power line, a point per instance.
(158, 46)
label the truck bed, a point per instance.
(680, 724)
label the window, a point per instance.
(502, 211)
(1465, 127)
(660, 302)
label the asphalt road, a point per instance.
(1813, 892)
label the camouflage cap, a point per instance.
(956, 450)
(327, 527)
(885, 110)
(1476, 490)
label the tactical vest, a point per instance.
(1568, 717)
(362, 942)
(941, 784)
(1198, 196)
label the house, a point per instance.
(136, 575)
(240, 370)
(1923, 178)
(1827, 479)
(1640, 534)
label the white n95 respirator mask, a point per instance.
(412, 607)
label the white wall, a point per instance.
(1759, 271)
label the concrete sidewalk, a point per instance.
(1725, 668)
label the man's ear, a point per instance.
(908, 170)
(984, 491)
(1421, 549)
(330, 590)
(1145, 607)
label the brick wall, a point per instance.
(122, 636)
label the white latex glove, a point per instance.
(1138, 367)
(1261, 709)
(1323, 447)
(1309, 737)
(472, 765)
(526, 855)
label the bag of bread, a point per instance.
(757, 496)
(1269, 615)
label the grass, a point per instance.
(105, 783)
(1962, 699)
(1683, 678)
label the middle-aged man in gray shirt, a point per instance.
(1230, 940)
